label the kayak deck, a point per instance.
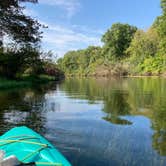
(30, 147)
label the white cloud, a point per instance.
(62, 39)
(30, 12)
(71, 6)
(65, 37)
(86, 29)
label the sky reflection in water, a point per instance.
(95, 121)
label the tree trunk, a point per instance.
(1, 39)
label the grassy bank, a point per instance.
(25, 81)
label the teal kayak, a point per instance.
(30, 147)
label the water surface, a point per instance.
(95, 122)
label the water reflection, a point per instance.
(115, 106)
(95, 121)
(142, 96)
(23, 107)
(159, 126)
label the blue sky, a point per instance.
(76, 24)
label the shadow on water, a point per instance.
(95, 121)
(20, 107)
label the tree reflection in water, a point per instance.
(115, 107)
(131, 97)
(23, 107)
(122, 100)
(159, 126)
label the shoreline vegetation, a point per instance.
(126, 51)
(27, 81)
(119, 76)
(22, 61)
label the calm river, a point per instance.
(95, 122)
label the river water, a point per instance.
(95, 122)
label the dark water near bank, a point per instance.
(95, 122)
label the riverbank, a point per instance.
(25, 81)
(109, 74)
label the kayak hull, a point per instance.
(30, 147)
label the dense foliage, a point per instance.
(15, 24)
(126, 51)
(21, 55)
(81, 61)
(117, 39)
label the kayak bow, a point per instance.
(30, 147)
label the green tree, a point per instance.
(70, 62)
(143, 50)
(13, 22)
(163, 6)
(15, 61)
(81, 61)
(24, 33)
(160, 24)
(126, 50)
(144, 44)
(117, 39)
